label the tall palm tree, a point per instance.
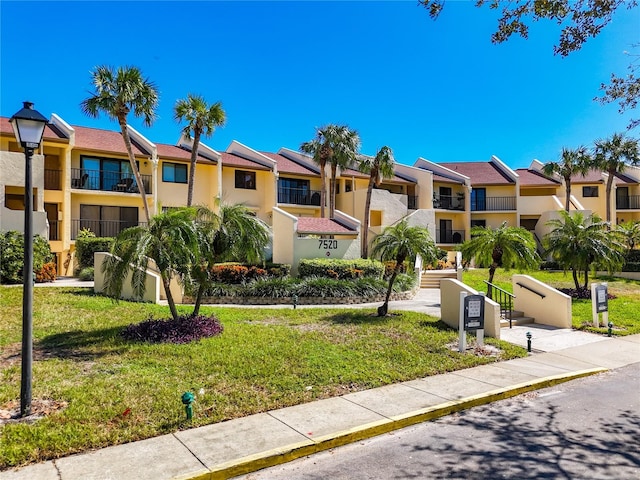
(336, 145)
(612, 155)
(170, 239)
(235, 234)
(506, 247)
(117, 93)
(576, 242)
(571, 162)
(378, 167)
(400, 242)
(202, 119)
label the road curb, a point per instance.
(288, 453)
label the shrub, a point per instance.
(340, 268)
(631, 267)
(550, 265)
(47, 273)
(582, 293)
(86, 274)
(12, 255)
(404, 282)
(236, 273)
(271, 287)
(87, 246)
(188, 328)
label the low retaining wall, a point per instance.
(301, 300)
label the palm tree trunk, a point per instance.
(382, 310)
(332, 191)
(134, 166)
(586, 277)
(367, 211)
(567, 201)
(192, 172)
(166, 282)
(608, 193)
(323, 188)
(492, 271)
(199, 295)
(576, 281)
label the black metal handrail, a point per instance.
(541, 295)
(106, 180)
(449, 236)
(412, 202)
(504, 299)
(629, 202)
(102, 228)
(299, 196)
(448, 202)
(493, 204)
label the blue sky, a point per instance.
(438, 90)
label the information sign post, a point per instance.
(599, 303)
(471, 318)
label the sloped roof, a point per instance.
(103, 141)
(175, 152)
(531, 178)
(350, 172)
(592, 176)
(321, 226)
(286, 165)
(480, 173)
(441, 179)
(231, 160)
(50, 132)
(621, 178)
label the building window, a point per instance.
(347, 186)
(246, 180)
(478, 223)
(589, 191)
(174, 172)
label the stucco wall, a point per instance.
(554, 309)
(450, 307)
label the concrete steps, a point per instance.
(431, 278)
(517, 318)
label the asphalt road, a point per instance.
(585, 429)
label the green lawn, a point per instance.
(266, 358)
(623, 310)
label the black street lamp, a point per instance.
(28, 125)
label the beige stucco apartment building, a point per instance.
(82, 180)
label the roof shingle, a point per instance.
(321, 226)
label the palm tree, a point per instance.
(170, 239)
(631, 233)
(201, 119)
(346, 143)
(117, 93)
(612, 156)
(336, 145)
(400, 242)
(576, 242)
(235, 234)
(506, 247)
(571, 162)
(378, 167)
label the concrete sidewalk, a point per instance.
(247, 444)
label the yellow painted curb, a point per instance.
(286, 454)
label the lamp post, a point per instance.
(28, 125)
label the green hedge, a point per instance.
(340, 268)
(238, 273)
(631, 267)
(87, 246)
(12, 256)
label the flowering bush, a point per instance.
(47, 273)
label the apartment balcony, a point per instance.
(299, 196)
(55, 230)
(412, 202)
(52, 179)
(493, 204)
(102, 228)
(449, 236)
(448, 202)
(108, 181)
(630, 202)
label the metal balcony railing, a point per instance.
(102, 228)
(52, 179)
(55, 230)
(299, 196)
(448, 202)
(412, 202)
(630, 202)
(108, 181)
(449, 236)
(493, 204)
